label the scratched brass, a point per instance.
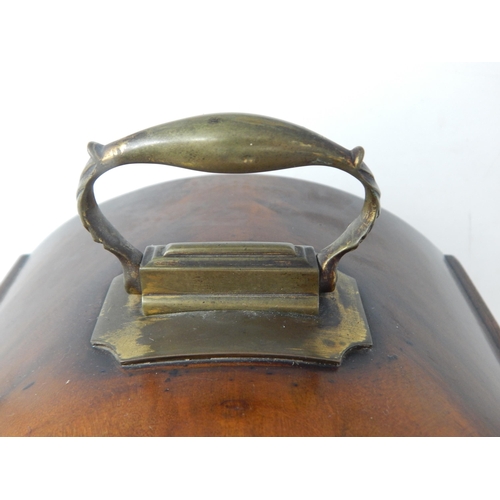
(251, 276)
(237, 300)
(134, 338)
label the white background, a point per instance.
(359, 73)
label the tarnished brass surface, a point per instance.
(243, 275)
(243, 299)
(134, 338)
(225, 143)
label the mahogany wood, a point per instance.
(433, 369)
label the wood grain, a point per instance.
(432, 371)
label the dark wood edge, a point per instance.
(11, 277)
(475, 299)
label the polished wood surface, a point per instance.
(433, 369)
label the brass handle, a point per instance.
(225, 143)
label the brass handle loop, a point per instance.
(225, 143)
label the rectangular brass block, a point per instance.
(243, 275)
(292, 303)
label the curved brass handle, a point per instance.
(225, 143)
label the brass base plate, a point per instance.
(205, 335)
